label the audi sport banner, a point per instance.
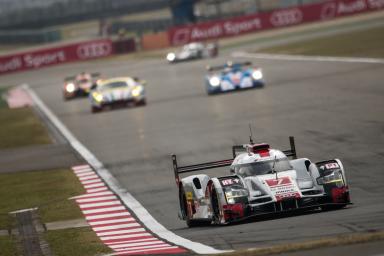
(276, 19)
(56, 55)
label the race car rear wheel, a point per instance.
(215, 206)
(96, 109)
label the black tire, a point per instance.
(142, 103)
(333, 207)
(215, 206)
(96, 109)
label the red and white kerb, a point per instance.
(113, 223)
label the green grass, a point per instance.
(75, 242)
(7, 246)
(21, 127)
(3, 103)
(366, 43)
(48, 190)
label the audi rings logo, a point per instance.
(328, 11)
(94, 50)
(181, 36)
(286, 17)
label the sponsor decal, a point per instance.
(283, 188)
(376, 4)
(57, 55)
(286, 17)
(11, 64)
(181, 36)
(328, 11)
(352, 7)
(229, 181)
(189, 195)
(235, 28)
(94, 50)
(37, 60)
(332, 166)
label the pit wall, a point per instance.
(175, 36)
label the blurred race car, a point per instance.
(193, 51)
(79, 85)
(117, 92)
(233, 76)
(262, 181)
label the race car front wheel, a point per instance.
(96, 109)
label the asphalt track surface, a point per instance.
(333, 110)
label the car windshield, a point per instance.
(112, 85)
(262, 167)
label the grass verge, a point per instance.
(48, 190)
(7, 246)
(20, 127)
(366, 43)
(75, 242)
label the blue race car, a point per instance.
(233, 76)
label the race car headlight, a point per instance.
(98, 97)
(70, 87)
(137, 91)
(214, 81)
(257, 75)
(234, 194)
(334, 177)
(171, 56)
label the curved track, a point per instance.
(333, 110)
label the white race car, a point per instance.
(261, 181)
(193, 51)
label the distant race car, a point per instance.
(193, 51)
(79, 85)
(262, 181)
(117, 92)
(233, 76)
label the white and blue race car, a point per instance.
(233, 76)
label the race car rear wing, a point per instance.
(229, 64)
(72, 78)
(216, 164)
(196, 167)
(289, 152)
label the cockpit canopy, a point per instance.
(262, 167)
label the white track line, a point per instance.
(91, 205)
(110, 221)
(89, 191)
(96, 199)
(119, 234)
(306, 58)
(103, 216)
(92, 195)
(104, 210)
(134, 205)
(111, 227)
